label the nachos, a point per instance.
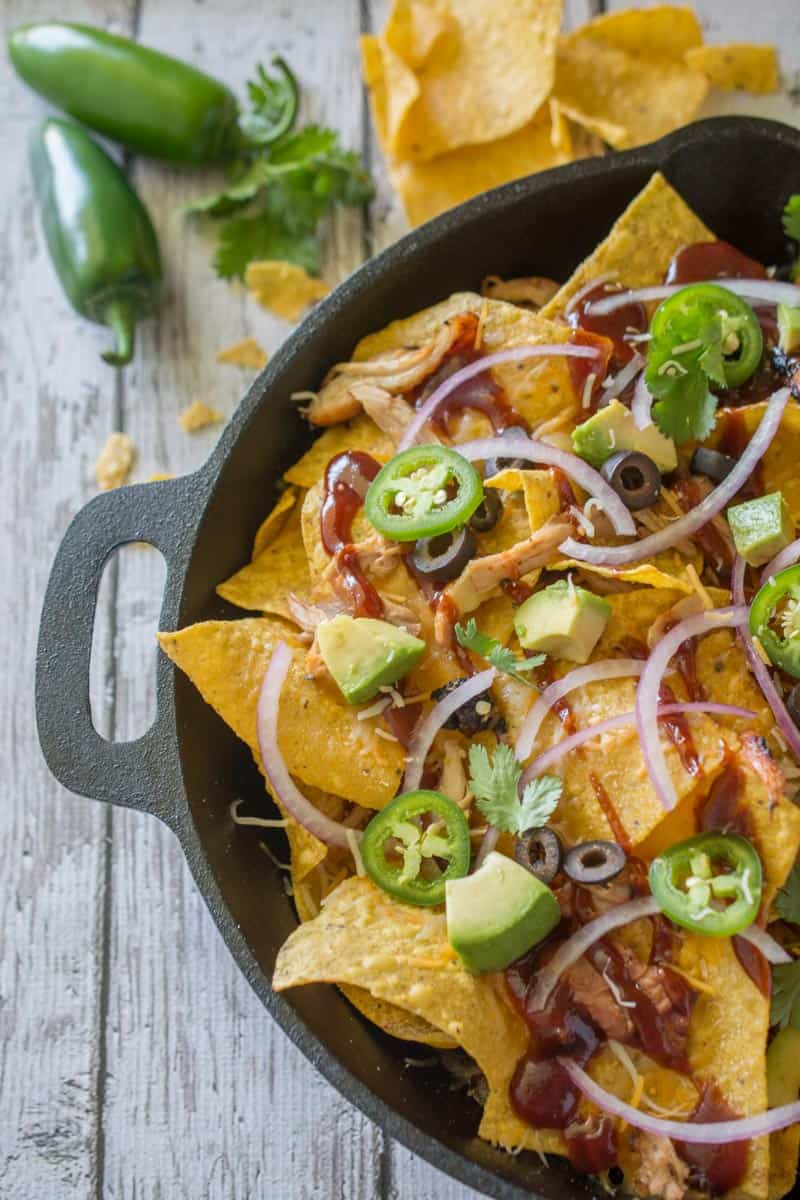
(519, 667)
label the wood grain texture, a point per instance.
(134, 1061)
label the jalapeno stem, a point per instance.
(120, 316)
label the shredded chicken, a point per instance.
(479, 579)
(453, 780)
(375, 554)
(528, 291)
(395, 372)
(756, 753)
(660, 1172)
(390, 413)
(593, 994)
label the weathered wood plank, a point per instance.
(56, 406)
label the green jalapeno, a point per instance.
(422, 492)
(710, 883)
(704, 325)
(775, 619)
(402, 855)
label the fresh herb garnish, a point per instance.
(791, 218)
(496, 654)
(787, 901)
(785, 1008)
(282, 184)
(495, 786)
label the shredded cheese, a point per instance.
(685, 347)
(353, 838)
(374, 709)
(586, 399)
(669, 499)
(615, 992)
(282, 866)
(695, 581)
(762, 654)
(584, 522)
(384, 733)
(260, 822)
(300, 397)
(481, 322)
(698, 984)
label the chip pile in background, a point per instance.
(467, 95)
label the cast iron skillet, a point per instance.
(737, 173)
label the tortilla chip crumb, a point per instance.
(246, 353)
(198, 416)
(159, 476)
(284, 288)
(114, 462)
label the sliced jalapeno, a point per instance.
(702, 319)
(421, 492)
(775, 619)
(412, 859)
(710, 883)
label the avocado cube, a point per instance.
(612, 428)
(789, 328)
(363, 655)
(496, 914)
(761, 527)
(563, 620)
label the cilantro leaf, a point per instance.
(499, 656)
(495, 787)
(791, 218)
(785, 1009)
(686, 408)
(245, 239)
(273, 104)
(787, 901)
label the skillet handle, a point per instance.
(137, 774)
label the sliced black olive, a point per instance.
(495, 465)
(488, 512)
(787, 366)
(594, 862)
(539, 851)
(634, 477)
(793, 704)
(713, 463)
(474, 716)
(444, 556)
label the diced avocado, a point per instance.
(495, 915)
(783, 1067)
(363, 654)
(612, 428)
(761, 527)
(788, 328)
(563, 620)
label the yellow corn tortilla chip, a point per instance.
(666, 31)
(246, 353)
(321, 740)
(114, 462)
(484, 76)
(643, 574)
(401, 954)
(778, 468)
(198, 416)
(280, 569)
(397, 1022)
(272, 524)
(414, 29)
(640, 245)
(283, 287)
(359, 434)
(737, 66)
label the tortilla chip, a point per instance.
(198, 416)
(640, 245)
(667, 31)
(272, 524)
(359, 434)
(321, 740)
(401, 954)
(283, 287)
(397, 1022)
(738, 66)
(670, 573)
(488, 70)
(114, 462)
(414, 29)
(246, 353)
(778, 469)
(280, 569)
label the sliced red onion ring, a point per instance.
(607, 668)
(786, 557)
(561, 749)
(426, 731)
(647, 692)
(767, 291)
(642, 404)
(488, 843)
(540, 452)
(702, 1133)
(589, 286)
(576, 946)
(760, 669)
(616, 385)
(773, 951)
(449, 385)
(280, 781)
(684, 527)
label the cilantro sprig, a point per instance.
(282, 184)
(787, 901)
(678, 376)
(495, 786)
(785, 1007)
(497, 655)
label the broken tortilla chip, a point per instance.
(280, 570)
(778, 468)
(115, 461)
(664, 31)
(359, 434)
(284, 288)
(414, 28)
(272, 524)
(246, 353)
(737, 67)
(198, 416)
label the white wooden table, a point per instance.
(135, 1063)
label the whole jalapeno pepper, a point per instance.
(99, 235)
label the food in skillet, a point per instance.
(524, 688)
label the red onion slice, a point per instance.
(449, 385)
(616, 384)
(773, 951)
(607, 668)
(428, 728)
(540, 452)
(765, 291)
(488, 843)
(786, 557)
(280, 781)
(760, 669)
(684, 527)
(650, 682)
(562, 748)
(707, 1133)
(642, 404)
